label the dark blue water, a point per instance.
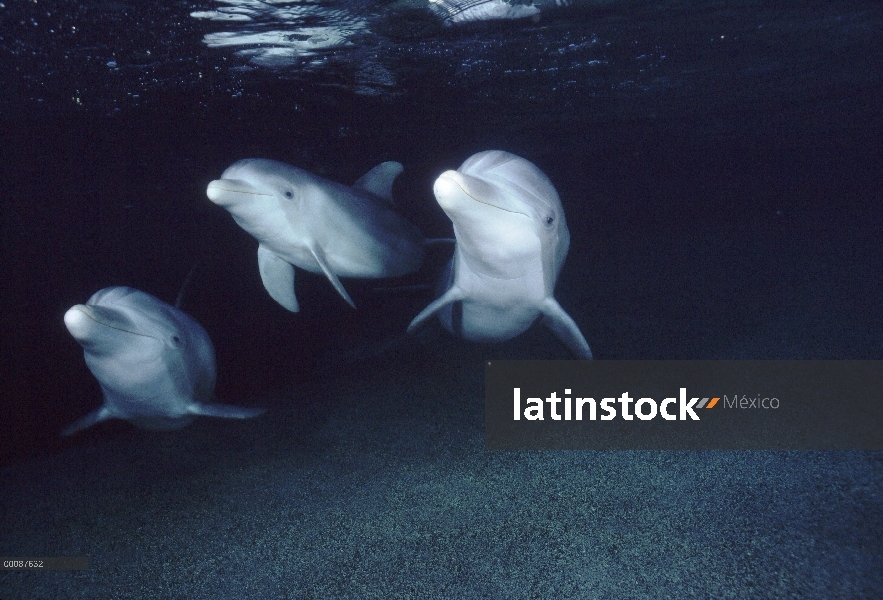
(719, 165)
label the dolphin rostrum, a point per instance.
(318, 225)
(155, 364)
(511, 242)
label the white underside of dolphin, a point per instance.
(512, 240)
(155, 364)
(321, 226)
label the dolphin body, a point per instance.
(155, 364)
(318, 225)
(511, 242)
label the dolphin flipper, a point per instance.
(102, 414)
(454, 294)
(319, 255)
(226, 410)
(278, 278)
(564, 328)
(379, 180)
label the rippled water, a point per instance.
(280, 34)
(112, 53)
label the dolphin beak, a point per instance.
(447, 187)
(85, 321)
(452, 186)
(226, 191)
(79, 321)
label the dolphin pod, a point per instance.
(512, 240)
(155, 364)
(318, 225)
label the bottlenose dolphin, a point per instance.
(155, 364)
(511, 242)
(321, 226)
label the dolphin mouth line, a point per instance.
(514, 212)
(235, 191)
(102, 323)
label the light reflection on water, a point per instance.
(295, 37)
(279, 33)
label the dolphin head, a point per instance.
(127, 310)
(504, 210)
(264, 196)
(130, 337)
(103, 331)
(119, 354)
(115, 325)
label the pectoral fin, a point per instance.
(102, 414)
(226, 411)
(278, 278)
(454, 294)
(565, 328)
(319, 255)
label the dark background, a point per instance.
(720, 170)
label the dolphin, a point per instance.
(318, 225)
(511, 240)
(155, 364)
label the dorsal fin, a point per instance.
(379, 180)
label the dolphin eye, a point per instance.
(176, 339)
(550, 219)
(289, 194)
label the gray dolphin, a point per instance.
(318, 225)
(155, 364)
(511, 242)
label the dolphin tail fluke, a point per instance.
(565, 329)
(102, 414)
(379, 180)
(226, 411)
(454, 294)
(319, 255)
(278, 278)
